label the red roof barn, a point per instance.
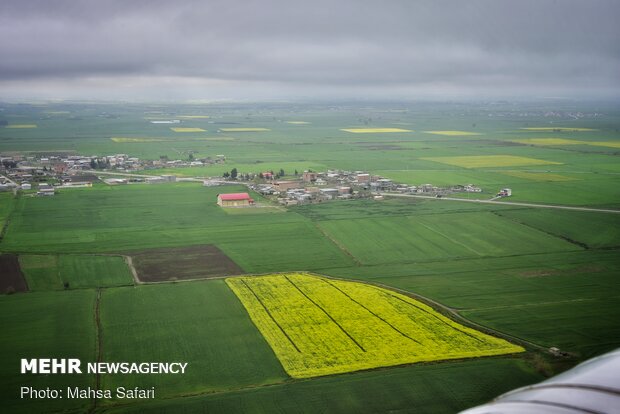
(234, 200)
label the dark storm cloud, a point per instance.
(489, 46)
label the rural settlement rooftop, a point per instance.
(235, 196)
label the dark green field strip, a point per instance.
(201, 323)
(45, 325)
(429, 388)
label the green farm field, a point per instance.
(536, 277)
(38, 325)
(51, 272)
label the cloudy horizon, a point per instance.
(244, 50)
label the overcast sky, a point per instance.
(272, 49)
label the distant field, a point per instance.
(561, 129)
(538, 176)
(178, 129)
(453, 133)
(562, 141)
(127, 139)
(297, 122)
(549, 141)
(317, 326)
(244, 129)
(484, 161)
(435, 237)
(194, 116)
(21, 126)
(610, 144)
(374, 130)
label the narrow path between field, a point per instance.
(98, 345)
(132, 268)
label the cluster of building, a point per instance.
(317, 187)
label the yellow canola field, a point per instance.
(318, 326)
(562, 141)
(127, 139)
(610, 144)
(453, 133)
(244, 129)
(374, 130)
(21, 126)
(180, 129)
(549, 141)
(559, 129)
(483, 161)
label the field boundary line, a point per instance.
(338, 244)
(451, 239)
(132, 269)
(99, 345)
(436, 317)
(374, 314)
(326, 313)
(559, 236)
(270, 315)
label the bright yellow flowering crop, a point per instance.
(319, 326)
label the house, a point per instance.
(234, 200)
(285, 185)
(363, 178)
(309, 176)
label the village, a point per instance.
(52, 172)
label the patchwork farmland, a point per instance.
(394, 305)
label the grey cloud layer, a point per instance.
(478, 44)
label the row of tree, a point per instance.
(234, 174)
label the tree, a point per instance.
(233, 173)
(93, 164)
(191, 157)
(261, 176)
(281, 172)
(296, 173)
(226, 174)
